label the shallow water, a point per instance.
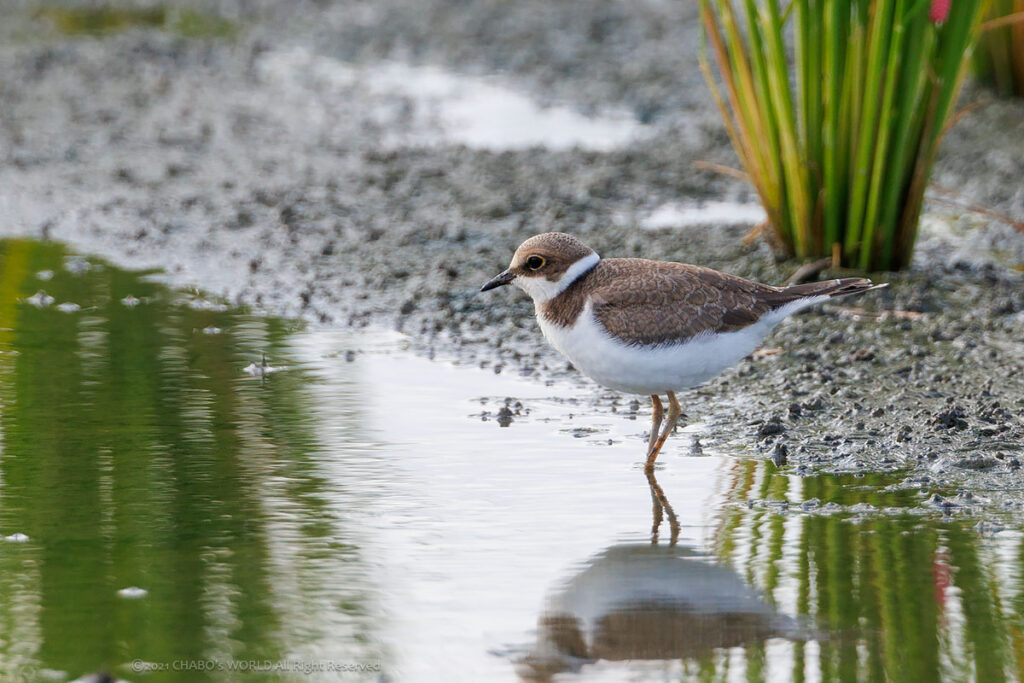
(478, 112)
(177, 508)
(680, 215)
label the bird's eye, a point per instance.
(535, 262)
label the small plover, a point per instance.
(651, 327)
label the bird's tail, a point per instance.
(832, 288)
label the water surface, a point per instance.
(173, 511)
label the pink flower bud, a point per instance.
(939, 10)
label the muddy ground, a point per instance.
(254, 165)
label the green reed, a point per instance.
(999, 59)
(838, 131)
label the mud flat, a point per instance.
(371, 166)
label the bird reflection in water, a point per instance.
(648, 601)
(661, 509)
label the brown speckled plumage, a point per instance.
(645, 302)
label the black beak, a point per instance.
(498, 281)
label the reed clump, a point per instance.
(836, 110)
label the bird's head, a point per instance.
(544, 265)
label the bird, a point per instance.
(649, 327)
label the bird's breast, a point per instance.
(647, 369)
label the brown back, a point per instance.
(647, 303)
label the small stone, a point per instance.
(780, 456)
(862, 355)
(816, 404)
(132, 592)
(953, 418)
(77, 266)
(260, 369)
(771, 427)
(976, 462)
(40, 299)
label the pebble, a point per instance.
(505, 416)
(40, 299)
(77, 266)
(771, 427)
(780, 456)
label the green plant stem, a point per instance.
(841, 147)
(886, 117)
(878, 46)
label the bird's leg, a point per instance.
(659, 412)
(662, 505)
(656, 417)
(674, 411)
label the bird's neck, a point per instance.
(543, 290)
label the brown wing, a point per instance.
(653, 302)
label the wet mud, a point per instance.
(269, 165)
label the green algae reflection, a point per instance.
(136, 453)
(895, 592)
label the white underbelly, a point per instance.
(651, 369)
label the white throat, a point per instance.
(541, 289)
